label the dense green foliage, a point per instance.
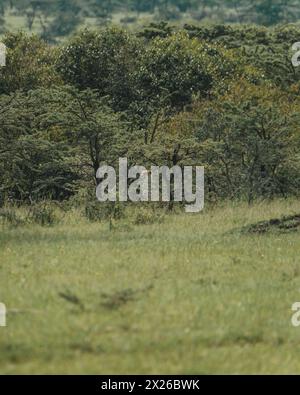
(224, 97)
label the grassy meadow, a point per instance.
(188, 295)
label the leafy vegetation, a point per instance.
(206, 293)
(224, 97)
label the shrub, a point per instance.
(128, 19)
(8, 216)
(42, 214)
(148, 217)
(95, 211)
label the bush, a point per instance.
(96, 211)
(8, 216)
(128, 19)
(42, 214)
(148, 217)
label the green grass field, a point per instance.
(189, 295)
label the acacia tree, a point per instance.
(29, 64)
(172, 72)
(103, 61)
(250, 141)
(32, 167)
(86, 123)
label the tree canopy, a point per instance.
(225, 97)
